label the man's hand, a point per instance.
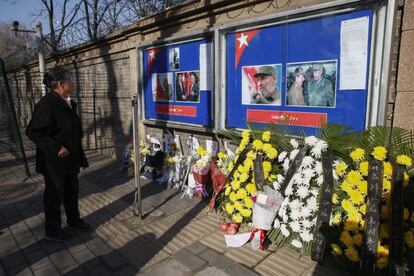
(63, 152)
(252, 87)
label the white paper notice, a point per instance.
(237, 240)
(354, 53)
(206, 56)
(261, 198)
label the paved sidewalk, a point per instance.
(176, 237)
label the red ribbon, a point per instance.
(262, 236)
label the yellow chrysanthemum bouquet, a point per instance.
(236, 201)
(348, 220)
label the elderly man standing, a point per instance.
(267, 92)
(55, 129)
(320, 89)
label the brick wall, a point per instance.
(105, 71)
(404, 102)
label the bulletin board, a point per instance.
(302, 73)
(177, 82)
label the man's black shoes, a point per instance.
(80, 226)
(59, 236)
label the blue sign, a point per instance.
(289, 74)
(177, 82)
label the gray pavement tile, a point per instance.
(9, 211)
(75, 245)
(87, 236)
(27, 212)
(22, 270)
(39, 232)
(35, 258)
(211, 271)
(197, 248)
(13, 260)
(140, 258)
(34, 222)
(25, 272)
(190, 260)
(77, 271)
(246, 255)
(13, 220)
(238, 269)
(8, 246)
(52, 246)
(169, 266)
(32, 247)
(21, 205)
(87, 259)
(40, 263)
(63, 260)
(27, 242)
(92, 263)
(217, 259)
(114, 259)
(48, 270)
(126, 270)
(98, 246)
(100, 270)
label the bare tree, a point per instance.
(63, 14)
(10, 42)
(143, 8)
(102, 16)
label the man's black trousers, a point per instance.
(58, 189)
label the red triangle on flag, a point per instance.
(242, 41)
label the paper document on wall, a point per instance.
(205, 66)
(354, 53)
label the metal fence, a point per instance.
(78, 33)
(11, 145)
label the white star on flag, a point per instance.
(243, 40)
(152, 54)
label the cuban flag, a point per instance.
(242, 42)
(152, 56)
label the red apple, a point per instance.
(231, 230)
(235, 226)
(224, 226)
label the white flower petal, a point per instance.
(296, 243)
(294, 143)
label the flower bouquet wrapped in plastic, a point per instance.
(218, 177)
(265, 209)
(201, 173)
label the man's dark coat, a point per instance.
(55, 124)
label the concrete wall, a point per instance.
(105, 72)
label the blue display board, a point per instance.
(290, 74)
(177, 85)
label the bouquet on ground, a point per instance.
(265, 208)
(201, 173)
(297, 215)
(348, 220)
(152, 158)
(175, 161)
(241, 188)
(219, 173)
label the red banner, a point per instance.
(178, 110)
(306, 119)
